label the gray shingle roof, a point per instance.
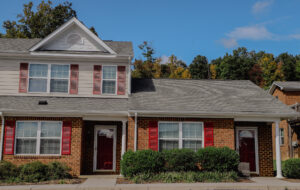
(63, 105)
(234, 97)
(20, 45)
(288, 85)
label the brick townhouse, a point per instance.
(70, 98)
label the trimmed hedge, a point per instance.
(33, 172)
(218, 159)
(209, 159)
(291, 168)
(142, 161)
(178, 160)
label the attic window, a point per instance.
(73, 39)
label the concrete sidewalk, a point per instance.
(109, 183)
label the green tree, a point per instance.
(237, 65)
(39, 23)
(288, 66)
(199, 67)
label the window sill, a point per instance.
(37, 156)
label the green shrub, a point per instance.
(291, 168)
(141, 161)
(178, 160)
(7, 170)
(186, 177)
(33, 172)
(58, 170)
(218, 159)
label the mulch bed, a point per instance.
(59, 181)
(122, 180)
(292, 180)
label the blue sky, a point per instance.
(187, 28)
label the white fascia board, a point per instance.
(67, 25)
(72, 55)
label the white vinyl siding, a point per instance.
(10, 71)
(38, 138)
(180, 135)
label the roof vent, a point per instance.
(43, 102)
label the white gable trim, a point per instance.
(67, 25)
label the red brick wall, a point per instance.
(223, 131)
(288, 98)
(73, 160)
(88, 146)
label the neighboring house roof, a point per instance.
(21, 45)
(204, 97)
(285, 86)
(62, 105)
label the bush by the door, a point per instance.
(291, 168)
(218, 159)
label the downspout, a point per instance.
(135, 131)
(2, 134)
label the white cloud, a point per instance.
(256, 32)
(250, 33)
(229, 43)
(164, 59)
(295, 36)
(261, 6)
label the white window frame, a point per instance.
(180, 138)
(116, 79)
(38, 139)
(281, 137)
(48, 78)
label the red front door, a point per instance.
(105, 149)
(246, 138)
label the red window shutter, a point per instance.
(23, 79)
(97, 79)
(121, 80)
(66, 138)
(9, 137)
(153, 135)
(74, 76)
(208, 134)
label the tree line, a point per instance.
(261, 67)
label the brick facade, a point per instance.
(73, 160)
(88, 146)
(288, 98)
(223, 131)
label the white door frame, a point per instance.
(96, 128)
(256, 144)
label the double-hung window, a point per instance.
(38, 137)
(180, 135)
(281, 135)
(48, 78)
(109, 80)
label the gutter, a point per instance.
(2, 135)
(135, 131)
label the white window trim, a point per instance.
(49, 65)
(180, 138)
(116, 79)
(38, 139)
